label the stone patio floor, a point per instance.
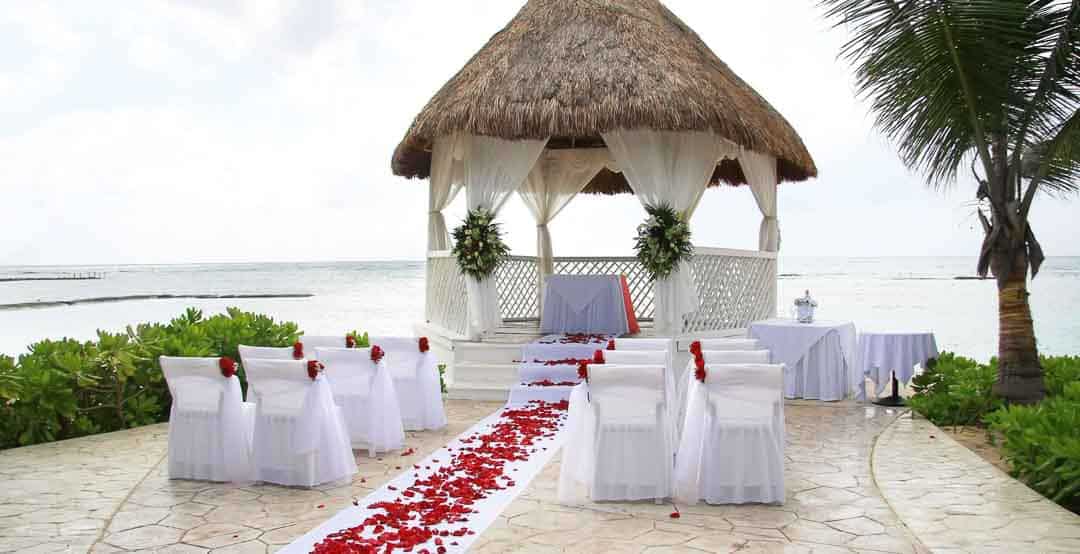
(909, 493)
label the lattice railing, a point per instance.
(735, 288)
(447, 301)
(518, 281)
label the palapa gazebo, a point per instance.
(600, 97)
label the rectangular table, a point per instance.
(588, 304)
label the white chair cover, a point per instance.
(732, 445)
(416, 381)
(644, 344)
(314, 342)
(365, 392)
(300, 435)
(712, 357)
(730, 344)
(210, 426)
(651, 358)
(620, 441)
(265, 353)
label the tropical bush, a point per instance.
(954, 390)
(65, 388)
(1042, 445)
(1059, 372)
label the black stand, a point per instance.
(895, 399)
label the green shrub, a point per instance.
(1042, 445)
(1058, 372)
(955, 391)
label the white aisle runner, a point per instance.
(447, 500)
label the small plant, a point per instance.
(954, 390)
(663, 241)
(442, 378)
(362, 340)
(478, 244)
(1059, 372)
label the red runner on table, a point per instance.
(631, 318)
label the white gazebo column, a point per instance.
(760, 172)
(557, 177)
(671, 168)
(493, 170)
(445, 182)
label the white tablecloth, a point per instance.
(819, 356)
(883, 353)
(584, 304)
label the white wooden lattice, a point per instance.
(734, 290)
(518, 282)
(447, 301)
(637, 279)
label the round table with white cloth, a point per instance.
(819, 356)
(882, 354)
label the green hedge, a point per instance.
(1041, 443)
(65, 388)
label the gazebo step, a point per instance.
(501, 375)
(478, 391)
(486, 353)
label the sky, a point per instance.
(262, 130)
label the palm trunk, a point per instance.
(1019, 371)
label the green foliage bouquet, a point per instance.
(478, 245)
(663, 241)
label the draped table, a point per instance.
(895, 355)
(819, 357)
(597, 304)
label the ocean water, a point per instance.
(388, 298)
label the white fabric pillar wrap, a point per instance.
(671, 168)
(557, 177)
(494, 169)
(446, 178)
(760, 172)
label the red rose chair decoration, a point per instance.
(695, 348)
(298, 350)
(611, 344)
(699, 368)
(227, 365)
(423, 343)
(583, 370)
(350, 341)
(377, 353)
(313, 368)
(598, 357)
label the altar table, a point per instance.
(597, 304)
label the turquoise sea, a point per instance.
(388, 297)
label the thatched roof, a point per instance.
(573, 69)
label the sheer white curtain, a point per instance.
(557, 177)
(447, 175)
(672, 168)
(494, 169)
(760, 172)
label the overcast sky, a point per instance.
(262, 130)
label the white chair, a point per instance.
(732, 445)
(620, 442)
(730, 344)
(644, 344)
(265, 353)
(300, 436)
(416, 380)
(648, 357)
(365, 392)
(313, 342)
(713, 357)
(210, 426)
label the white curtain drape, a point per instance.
(760, 172)
(670, 168)
(447, 175)
(493, 170)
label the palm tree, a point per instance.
(990, 83)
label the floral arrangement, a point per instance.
(598, 357)
(298, 350)
(699, 368)
(663, 241)
(695, 348)
(314, 368)
(611, 344)
(423, 344)
(583, 370)
(227, 365)
(478, 246)
(377, 353)
(350, 341)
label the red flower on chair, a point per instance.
(699, 368)
(695, 348)
(227, 365)
(377, 353)
(314, 368)
(611, 344)
(598, 357)
(423, 343)
(298, 350)
(583, 370)
(350, 341)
